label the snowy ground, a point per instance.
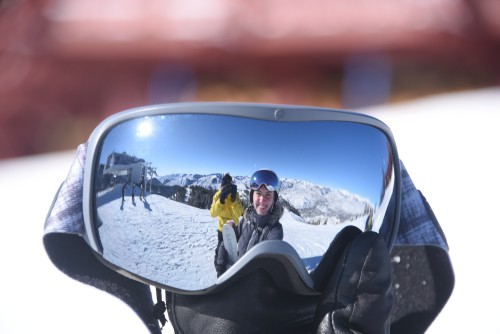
(448, 143)
(173, 243)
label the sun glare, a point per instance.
(144, 129)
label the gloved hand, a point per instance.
(358, 296)
(159, 312)
(234, 190)
(354, 278)
(225, 191)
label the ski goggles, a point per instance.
(266, 178)
(140, 190)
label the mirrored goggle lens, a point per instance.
(265, 178)
(150, 192)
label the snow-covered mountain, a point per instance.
(209, 181)
(316, 204)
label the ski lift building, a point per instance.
(124, 165)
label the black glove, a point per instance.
(354, 277)
(159, 312)
(358, 295)
(234, 190)
(225, 191)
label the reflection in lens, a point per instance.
(156, 182)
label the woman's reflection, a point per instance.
(260, 219)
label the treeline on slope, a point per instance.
(201, 198)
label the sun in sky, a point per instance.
(144, 129)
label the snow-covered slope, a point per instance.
(174, 243)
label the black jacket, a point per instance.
(253, 229)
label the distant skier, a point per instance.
(260, 220)
(143, 188)
(226, 205)
(123, 191)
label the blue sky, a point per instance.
(339, 155)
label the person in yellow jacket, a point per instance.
(226, 205)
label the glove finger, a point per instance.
(358, 297)
(323, 272)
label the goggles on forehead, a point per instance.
(146, 182)
(265, 177)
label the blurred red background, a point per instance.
(67, 64)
